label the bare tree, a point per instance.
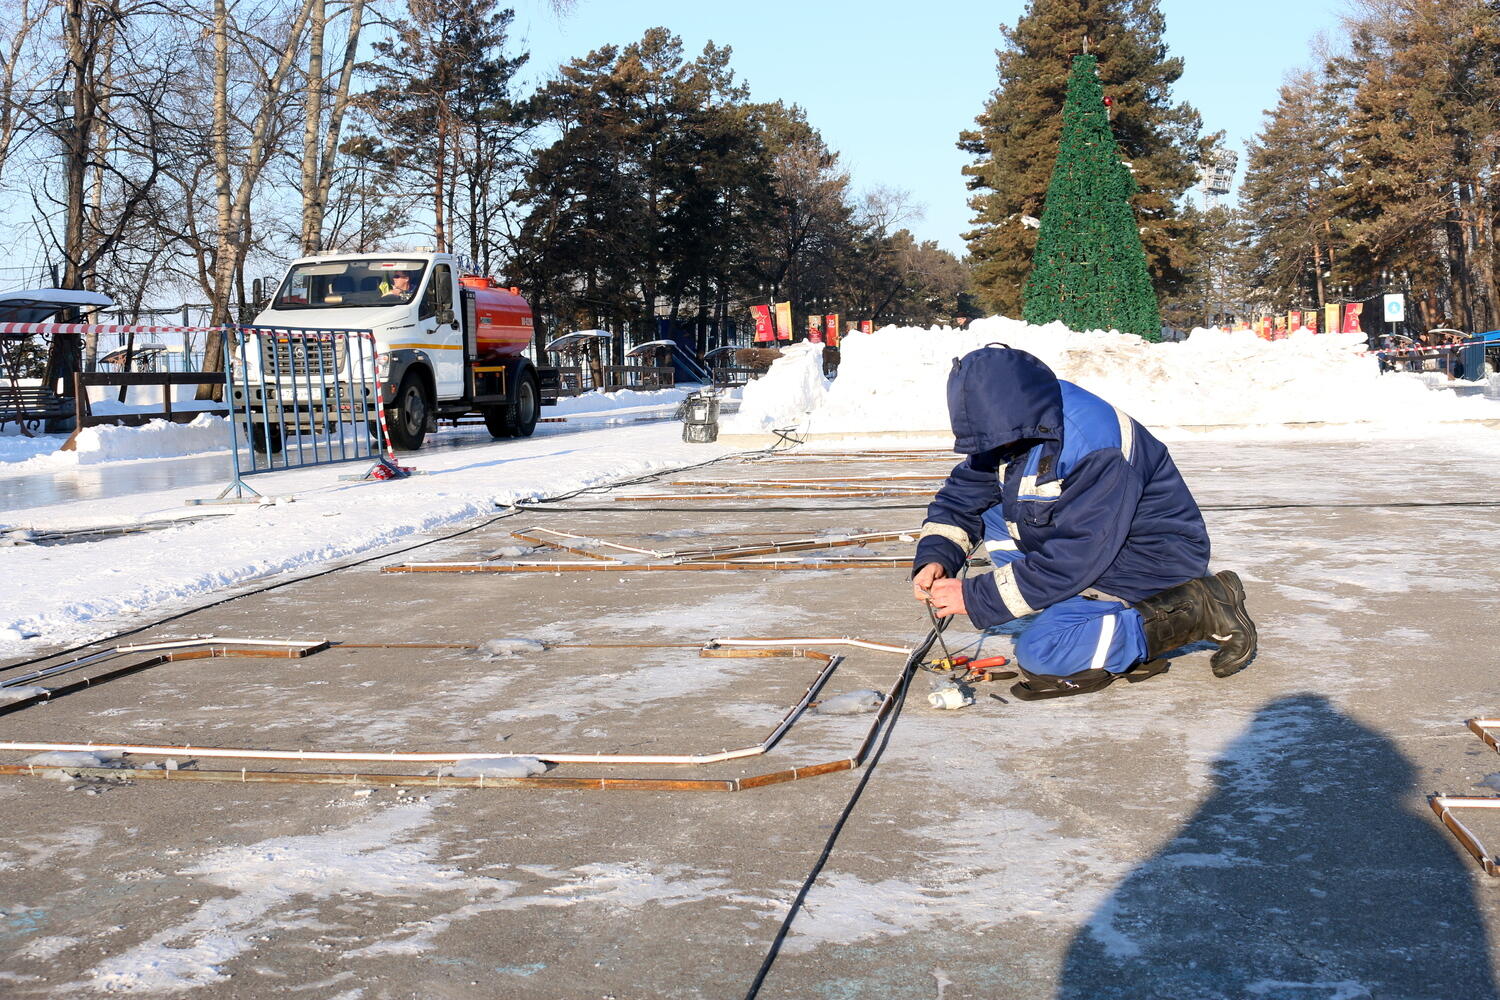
(22, 76)
(318, 167)
(239, 160)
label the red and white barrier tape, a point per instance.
(54, 328)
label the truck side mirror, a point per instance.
(445, 317)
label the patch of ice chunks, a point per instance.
(19, 692)
(495, 767)
(507, 649)
(851, 703)
(75, 758)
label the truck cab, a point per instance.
(446, 343)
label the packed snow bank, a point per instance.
(895, 380)
(597, 402)
(785, 395)
(95, 445)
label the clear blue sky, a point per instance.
(890, 85)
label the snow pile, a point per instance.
(895, 380)
(96, 445)
(595, 401)
(157, 439)
(16, 448)
(793, 388)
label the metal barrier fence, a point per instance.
(301, 398)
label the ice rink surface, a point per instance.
(1261, 836)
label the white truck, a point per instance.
(446, 343)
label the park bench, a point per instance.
(30, 406)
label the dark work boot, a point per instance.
(1211, 609)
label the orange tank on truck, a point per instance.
(503, 320)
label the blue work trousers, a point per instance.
(1079, 634)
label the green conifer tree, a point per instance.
(1015, 137)
(1089, 269)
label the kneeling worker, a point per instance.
(1086, 520)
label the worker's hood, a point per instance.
(998, 396)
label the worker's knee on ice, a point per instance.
(1081, 634)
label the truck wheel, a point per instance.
(496, 421)
(523, 412)
(406, 420)
(266, 438)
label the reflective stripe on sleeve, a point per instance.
(1000, 545)
(952, 532)
(1030, 489)
(1127, 433)
(1005, 583)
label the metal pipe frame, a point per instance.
(796, 484)
(710, 554)
(597, 541)
(813, 479)
(717, 648)
(1482, 727)
(814, 495)
(777, 566)
(1444, 805)
(200, 648)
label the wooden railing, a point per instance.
(87, 418)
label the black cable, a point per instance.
(817, 869)
(913, 662)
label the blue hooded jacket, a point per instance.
(1068, 493)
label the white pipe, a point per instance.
(148, 647)
(603, 542)
(239, 753)
(880, 647)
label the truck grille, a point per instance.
(298, 357)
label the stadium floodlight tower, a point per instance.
(1216, 176)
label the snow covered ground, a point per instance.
(893, 380)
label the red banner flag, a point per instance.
(784, 321)
(1351, 316)
(815, 329)
(866, 326)
(831, 323)
(763, 332)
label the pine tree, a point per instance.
(1421, 150)
(1089, 269)
(1017, 134)
(1288, 197)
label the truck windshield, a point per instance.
(334, 283)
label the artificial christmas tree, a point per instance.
(1089, 269)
